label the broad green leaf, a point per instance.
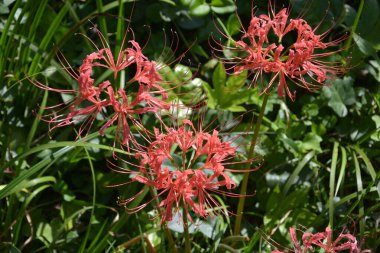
(364, 46)
(340, 94)
(223, 6)
(235, 82)
(376, 135)
(293, 146)
(219, 80)
(200, 10)
(233, 25)
(374, 69)
(4, 9)
(183, 72)
(312, 142)
(369, 17)
(44, 233)
(350, 14)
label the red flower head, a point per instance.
(124, 104)
(323, 240)
(184, 166)
(300, 63)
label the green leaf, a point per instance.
(235, 82)
(334, 160)
(359, 184)
(342, 169)
(211, 98)
(376, 135)
(169, 2)
(199, 8)
(369, 166)
(312, 142)
(340, 94)
(4, 9)
(183, 73)
(186, 2)
(28, 184)
(44, 233)
(369, 17)
(233, 25)
(364, 46)
(223, 6)
(236, 108)
(296, 172)
(219, 80)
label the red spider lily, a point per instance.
(300, 63)
(323, 240)
(125, 104)
(185, 166)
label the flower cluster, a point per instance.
(299, 63)
(323, 240)
(184, 165)
(91, 99)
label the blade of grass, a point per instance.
(92, 217)
(27, 184)
(52, 145)
(98, 236)
(354, 195)
(36, 121)
(68, 146)
(118, 225)
(342, 170)
(16, 230)
(75, 17)
(355, 25)
(296, 171)
(7, 190)
(36, 19)
(332, 184)
(120, 27)
(54, 26)
(368, 164)
(3, 39)
(102, 20)
(359, 184)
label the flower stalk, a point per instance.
(186, 233)
(355, 25)
(243, 191)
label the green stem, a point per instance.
(355, 25)
(93, 176)
(243, 191)
(186, 233)
(170, 238)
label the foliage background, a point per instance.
(52, 189)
